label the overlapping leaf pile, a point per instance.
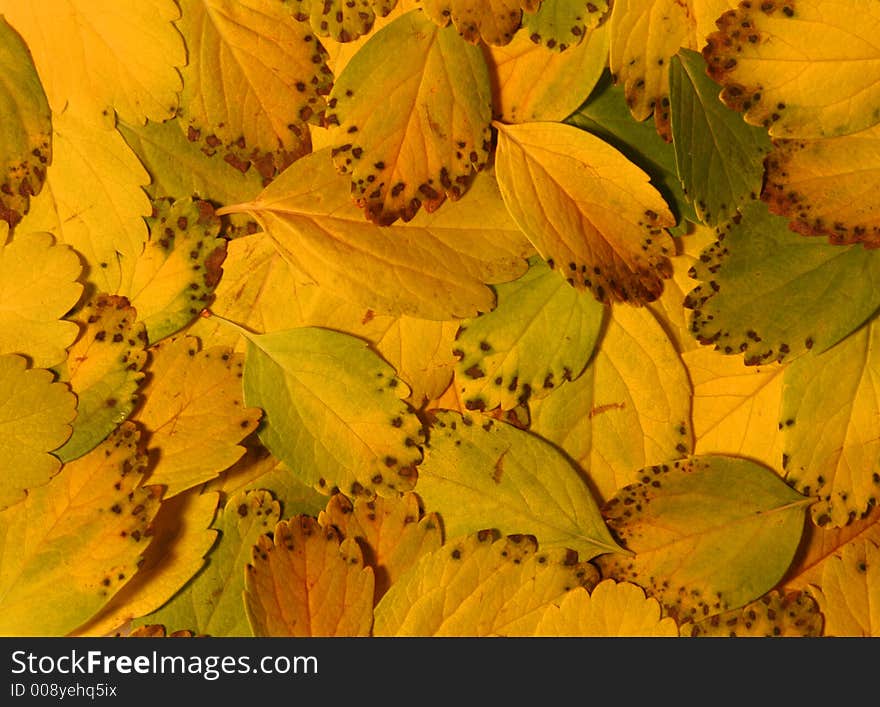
(402, 318)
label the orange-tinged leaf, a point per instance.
(849, 592)
(343, 21)
(529, 83)
(492, 21)
(254, 79)
(95, 55)
(587, 209)
(480, 586)
(393, 533)
(611, 610)
(800, 68)
(410, 119)
(35, 417)
(308, 582)
(73, 543)
(439, 263)
(828, 187)
(774, 614)
(194, 412)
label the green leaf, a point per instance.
(333, 411)
(211, 603)
(561, 24)
(480, 473)
(837, 392)
(709, 533)
(719, 157)
(540, 335)
(771, 294)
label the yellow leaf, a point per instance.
(800, 68)
(35, 417)
(94, 200)
(828, 187)
(73, 543)
(392, 532)
(562, 24)
(439, 263)
(480, 586)
(529, 83)
(255, 78)
(194, 412)
(849, 593)
(181, 538)
(492, 21)
(343, 21)
(611, 610)
(588, 210)
(95, 55)
(774, 614)
(37, 287)
(736, 407)
(409, 119)
(308, 582)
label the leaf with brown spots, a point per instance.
(175, 276)
(193, 411)
(103, 369)
(828, 187)
(35, 418)
(308, 581)
(38, 286)
(480, 585)
(73, 543)
(491, 21)
(25, 127)
(630, 408)
(342, 20)
(480, 473)
(849, 591)
(409, 118)
(100, 55)
(800, 68)
(439, 263)
(611, 610)
(837, 392)
(587, 209)
(393, 533)
(255, 79)
(774, 614)
(529, 83)
(541, 335)
(562, 24)
(709, 533)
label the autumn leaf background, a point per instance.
(439, 318)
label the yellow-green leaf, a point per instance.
(589, 211)
(307, 581)
(828, 187)
(709, 533)
(410, 119)
(480, 586)
(35, 417)
(333, 410)
(193, 411)
(611, 610)
(800, 68)
(103, 369)
(480, 473)
(530, 84)
(37, 287)
(254, 79)
(629, 409)
(492, 21)
(99, 55)
(343, 21)
(541, 335)
(562, 24)
(439, 263)
(26, 132)
(774, 614)
(837, 393)
(74, 542)
(849, 594)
